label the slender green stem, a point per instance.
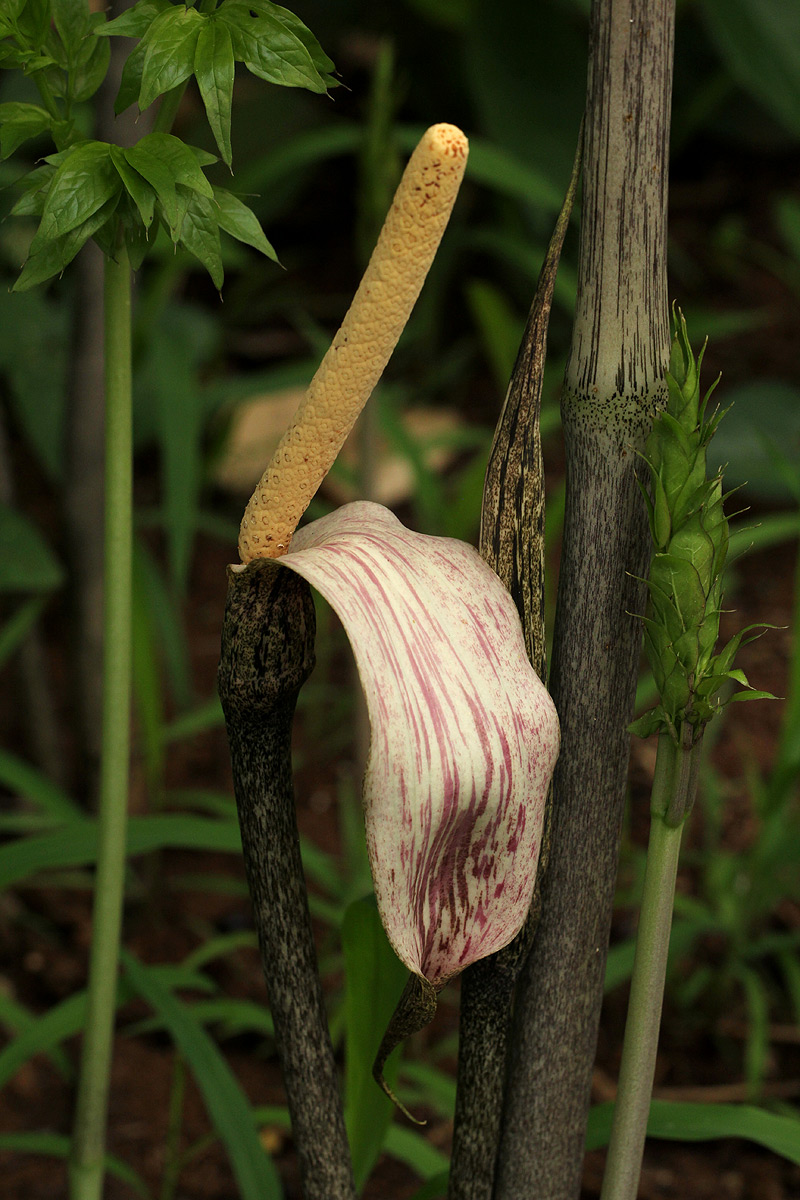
(88, 1146)
(673, 785)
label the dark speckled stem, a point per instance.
(512, 542)
(614, 383)
(267, 654)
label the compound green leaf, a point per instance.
(214, 70)
(241, 222)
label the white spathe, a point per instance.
(464, 734)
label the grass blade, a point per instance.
(75, 843)
(58, 1145)
(684, 1122)
(226, 1104)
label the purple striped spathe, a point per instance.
(464, 734)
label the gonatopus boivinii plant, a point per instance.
(464, 734)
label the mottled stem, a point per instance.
(267, 654)
(415, 1009)
(512, 542)
(614, 383)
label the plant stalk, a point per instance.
(615, 382)
(88, 1145)
(673, 785)
(512, 542)
(267, 654)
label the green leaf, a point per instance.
(130, 84)
(267, 48)
(10, 13)
(53, 256)
(375, 978)
(227, 1105)
(208, 715)
(27, 564)
(686, 1122)
(759, 41)
(17, 627)
(136, 21)
(136, 236)
(43, 1034)
(137, 188)
(36, 383)
(19, 122)
(170, 380)
(434, 1189)
(233, 1017)
(83, 183)
(161, 179)
(214, 69)
(33, 22)
(415, 1151)
(169, 52)
(36, 185)
(25, 782)
(59, 1145)
(16, 1017)
(91, 69)
(204, 157)
(651, 722)
(199, 234)
(71, 19)
(167, 621)
(166, 163)
(75, 844)
(432, 1086)
(172, 156)
(241, 222)
(295, 26)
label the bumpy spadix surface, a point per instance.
(464, 734)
